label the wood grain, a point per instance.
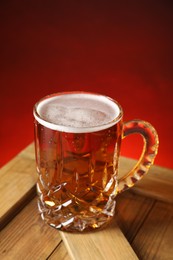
(27, 237)
(157, 183)
(154, 239)
(108, 243)
(147, 224)
(131, 211)
(59, 253)
(17, 185)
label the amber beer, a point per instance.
(77, 137)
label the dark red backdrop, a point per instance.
(124, 50)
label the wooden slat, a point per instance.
(157, 183)
(131, 211)
(147, 224)
(154, 239)
(59, 253)
(17, 184)
(27, 237)
(108, 243)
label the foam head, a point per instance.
(77, 112)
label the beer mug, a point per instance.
(78, 139)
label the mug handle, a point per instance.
(149, 152)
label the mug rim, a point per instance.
(76, 129)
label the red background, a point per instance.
(121, 49)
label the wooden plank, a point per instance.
(131, 211)
(17, 185)
(154, 239)
(59, 253)
(147, 224)
(157, 183)
(27, 237)
(108, 243)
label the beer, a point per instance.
(77, 137)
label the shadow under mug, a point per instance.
(77, 140)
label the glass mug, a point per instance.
(77, 139)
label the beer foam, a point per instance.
(77, 112)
